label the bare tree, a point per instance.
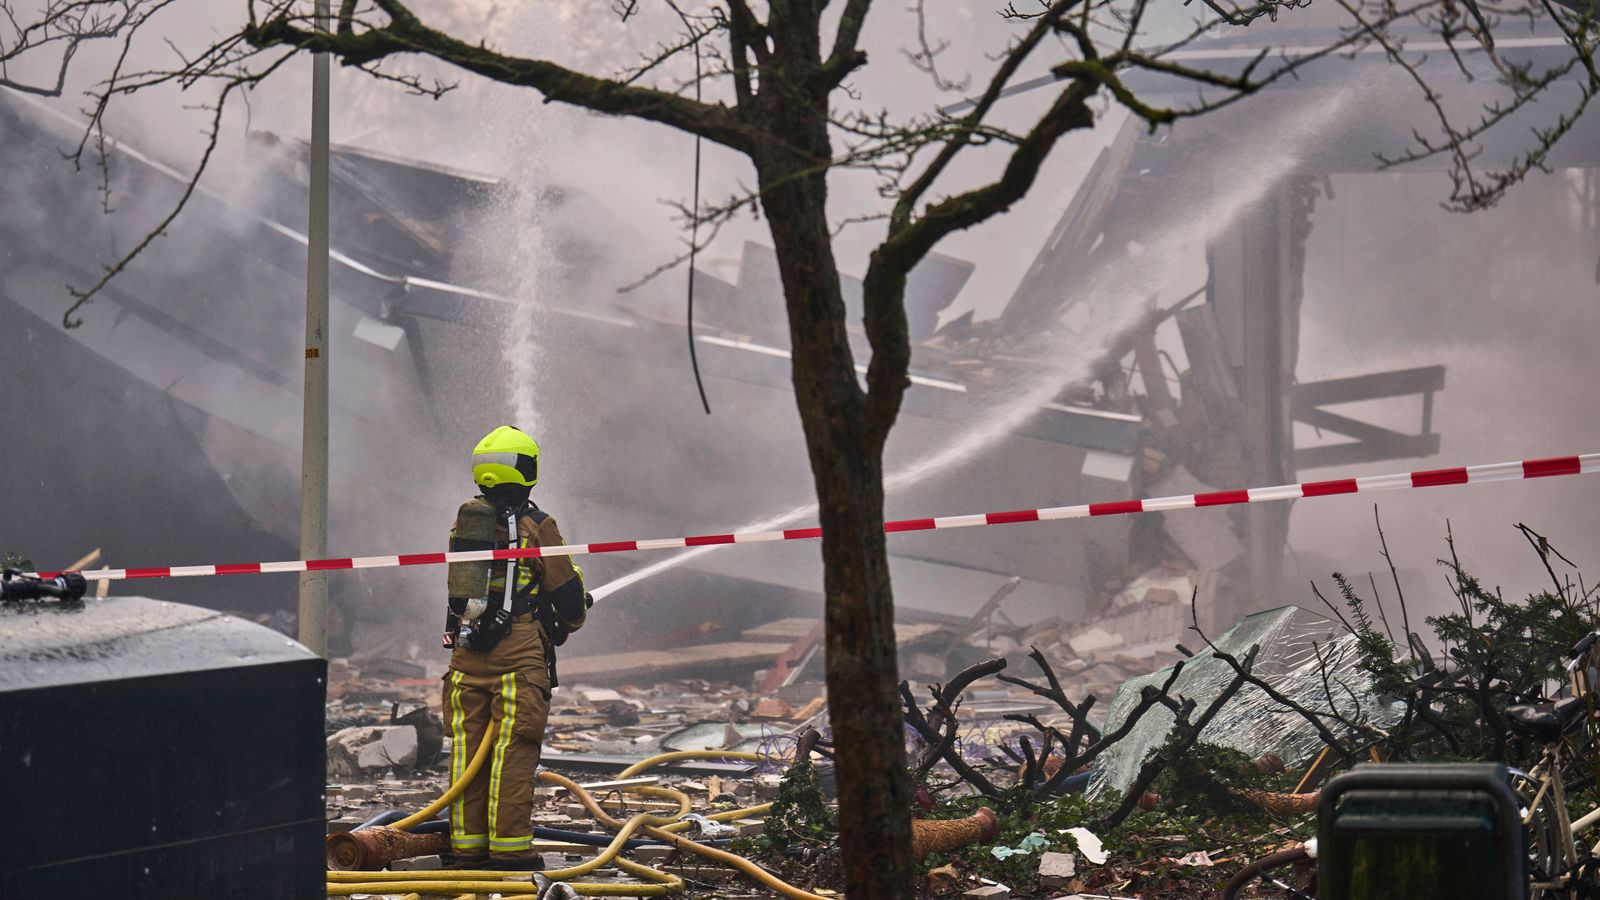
(57, 31)
(772, 75)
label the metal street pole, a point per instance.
(314, 440)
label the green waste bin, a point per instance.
(1420, 832)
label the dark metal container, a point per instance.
(154, 749)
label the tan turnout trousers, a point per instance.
(508, 685)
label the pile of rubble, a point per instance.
(1133, 633)
(1136, 636)
(386, 747)
(387, 750)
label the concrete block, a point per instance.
(364, 747)
(344, 745)
(766, 786)
(344, 823)
(396, 746)
(1091, 640)
(652, 854)
(989, 892)
(1211, 545)
(1056, 869)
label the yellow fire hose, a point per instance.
(667, 834)
(663, 883)
(449, 796)
(662, 828)
(675, 755)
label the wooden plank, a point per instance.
(778, 674)
(989, 608)
(608, 785)
(1373, 386)
(544, 846)
(1254, 292)
(560, 721)
(1365, 432)
(1039, 299)
(790, 630)
(1410, 446)
(1209, 371)
(613, 668)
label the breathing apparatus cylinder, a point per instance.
(475, 530)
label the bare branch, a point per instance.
(1019, 53)
(405, 33)
(925, 57)
(846, 57)
(1242, 670)
(213, 133)
(909, 241)
(1183, 736)
(65, 26)
(939, 728)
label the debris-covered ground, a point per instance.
(387, 751)
(1027, 782)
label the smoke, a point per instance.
(1115, 296)
(1505, 300)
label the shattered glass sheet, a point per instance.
(1290, 639)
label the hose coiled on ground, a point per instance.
(663, 828)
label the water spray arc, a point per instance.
(1114, 296)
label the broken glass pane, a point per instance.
(1290, 639)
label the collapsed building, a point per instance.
(192, 353)
(187, 365)
(183, 372)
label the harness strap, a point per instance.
(526, 601)
(514, 539)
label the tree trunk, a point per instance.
(846, 452)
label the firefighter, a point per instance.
(502, 662)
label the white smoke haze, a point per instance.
(1116, 297)
(1505, 299)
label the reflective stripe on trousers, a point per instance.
(495, 810)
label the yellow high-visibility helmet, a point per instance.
(505, 456)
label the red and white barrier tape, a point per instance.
(1508, 471)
